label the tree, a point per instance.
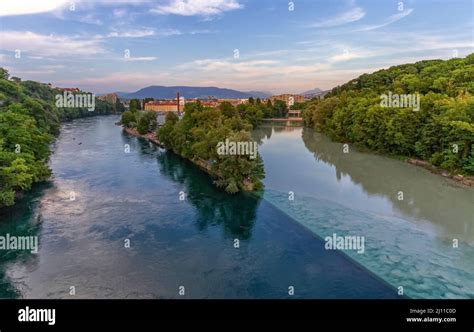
(197, 135)
(119, 108)
(441, 131)
(228, 110)
(280, 110)
(135, 105)
(128, 119)
(29, 119)
(146, 122)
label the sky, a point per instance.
(266, 45)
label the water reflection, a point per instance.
(20, 220)
(134, 196)
(236, 213)
(263, 133)
(426, 196)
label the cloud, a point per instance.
(27, 7)
(347, 55)
(38, 45)
(147, 32)
(197, 7)
(90, 19)
(119, 12)
(353, 15)
(131, 33)
(392, 19)
(142, 58)
(202, 31)
(251, 69)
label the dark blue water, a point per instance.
(135, 197)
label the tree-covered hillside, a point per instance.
(441, 131)
(29, 120)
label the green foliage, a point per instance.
(135, 105)
(29, 119)
(129, 119)
(442, 131)
(280, 110)
(146, 122)
(197, 135)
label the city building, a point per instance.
(234, 102)
(72, 90)
(289, 99)
(162, 106)
(110, 97)
(294, 114)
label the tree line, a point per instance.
(29, 121)
(440, 132)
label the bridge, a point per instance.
(294, 116)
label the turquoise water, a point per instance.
(408, 243)
(135, 197)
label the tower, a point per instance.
(177, 100)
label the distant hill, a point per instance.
(169, 92)
(314, 92)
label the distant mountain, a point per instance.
(259, 94)
(189, 92)
(315, 92)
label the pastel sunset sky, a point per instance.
(266, 45)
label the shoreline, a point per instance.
(202, 164)
(462, 179)
(149, 136)
(466, 180)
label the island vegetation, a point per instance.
(440, 132)
(29, 121)
(196, 136)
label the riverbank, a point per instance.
(460, 179)
(202, 164)
(465, 180)
(135, 196)
(148, 136)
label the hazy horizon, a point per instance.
(270, 46)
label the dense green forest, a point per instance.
(197, 135)
(29, 120)
(440, 132)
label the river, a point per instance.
(122, 218)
